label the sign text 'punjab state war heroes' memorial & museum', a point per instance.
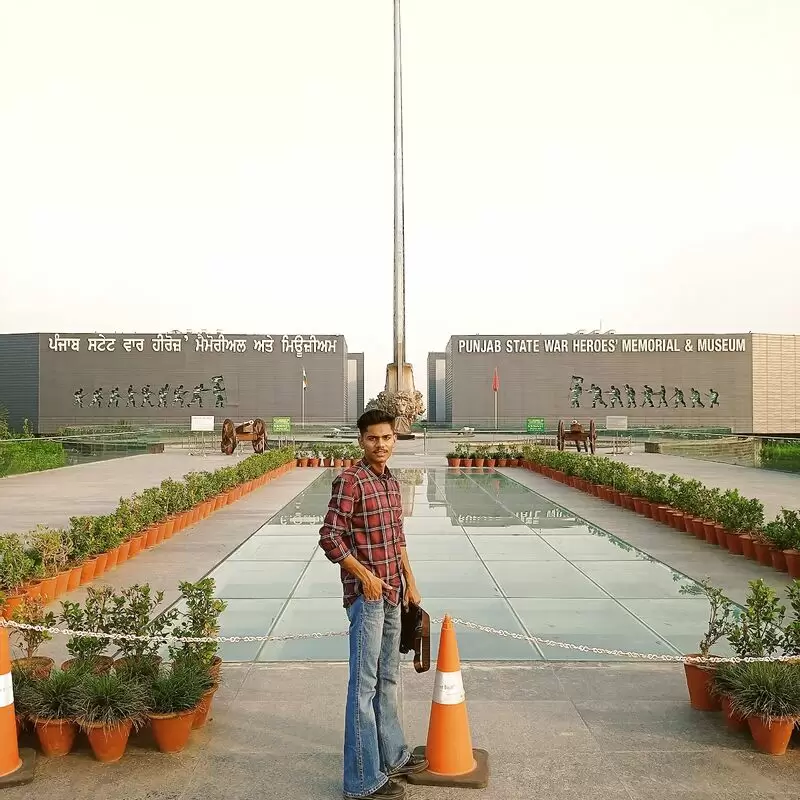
(745, 382)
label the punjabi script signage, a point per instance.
(605, 344)
(299, 344)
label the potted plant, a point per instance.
(175, 696)
(199, 618)
(722, 686)
(50, 551)
(699, 676)
(31, 612)
(131, 613)
(453, 459)
(93, 617)
(81, 531)
(108, 707)
(790, 643)
(16, 567)
(757, 631)
(767, 695)
(481, 453)
(51, 705)
(784, 534)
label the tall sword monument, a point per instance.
(399, 394)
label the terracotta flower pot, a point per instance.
(711, 532)
(12, 603)
(722, 539)
(47, 589)
(793, 562)
(124, 552)
(734, 721)
(74, 580)
(453, 462)
(698, 682)
(748, 550)
(779, 560)
(39, 667)
(101, 565)
(151, 536)
(87, 573)
(172, 731)
(56, 736)
(734, 542)
(108, 743)
(102, 664)
(763, 554)
(771, 735)
(201, 712)
(62, 581)
(113, 558)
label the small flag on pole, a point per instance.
(495, 381)
(305, 380)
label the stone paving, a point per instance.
(562, 731)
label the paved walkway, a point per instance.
(53, 496)
(566, 732)
(576, 732)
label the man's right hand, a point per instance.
(373, 586)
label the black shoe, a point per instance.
(391, 790)
(414, 764)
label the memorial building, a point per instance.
(56, 380)
(742, 382)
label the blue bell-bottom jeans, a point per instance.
(374, 742)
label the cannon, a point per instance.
(577, 434)
(254, 430)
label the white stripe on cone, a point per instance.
(448, 689)
(6, 690)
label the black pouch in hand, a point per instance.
(415, 634)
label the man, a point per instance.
(363, 533)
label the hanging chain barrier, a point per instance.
(582, 648)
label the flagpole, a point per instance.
(303, 402)
(495, 409)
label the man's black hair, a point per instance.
(375, 416)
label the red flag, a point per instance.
(495, 381)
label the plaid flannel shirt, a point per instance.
(365, 520)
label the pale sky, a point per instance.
(185, 164)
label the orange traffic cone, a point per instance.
(452, 761)
(16, 766)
